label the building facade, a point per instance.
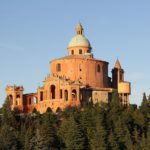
(74, 80)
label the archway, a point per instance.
(18, 99)
(53, 88)
(98, 68)
(10, 98)
(35, 100)
(74, 94)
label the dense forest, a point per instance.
(93, 127)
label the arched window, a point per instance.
(41, 96)
(17, 99)
(74, 94)
(18, 96)
(80, 51)
(88, 51)
(30, 101)
(60, 93)
(98, 68)
(35, 100)
(58, 67)
(121, 76)
(72, 52)
(10, 98)
(53, 88)
(66, 95)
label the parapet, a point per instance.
(14, 88)
(124, 87)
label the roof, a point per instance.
(79, 40)
(78, 57)
(117, 64)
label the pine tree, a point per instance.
(112, 144)
(8, 116)
(74, 138)
(115, 107)
(98, 141)
(45, 136)
(122, 135)
(136, 139)
(29, 136)
(88, 123)
(143, 144)
(145, 105)
(8, 139)
(148, 141)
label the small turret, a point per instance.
(15, 96)
(117, 74)
(79, 29)
(123, 87)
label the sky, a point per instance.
(34, 32)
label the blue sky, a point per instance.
(33, 32)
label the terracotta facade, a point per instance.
(74, 80)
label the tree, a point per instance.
(46, 132)
(88, 123)
(34, 111)
(8, 117)
(122, 135)
(49, 110)
(148, 137)
(58, 110)
(29, 136)
(115, 99)
(145, 105)
(8, 138)
(98, 141)
(73, 137)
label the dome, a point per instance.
(79, 40)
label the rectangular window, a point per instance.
(58, 67)
(41, 96)
(80, 51)
(72, 52)
(98, 68)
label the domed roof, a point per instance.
(79, 39)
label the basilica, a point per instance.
(74, 80)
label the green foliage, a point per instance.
(73, 137)
(145, 105)
(8, 139)
(49, 110)
(58, 110)
(93, 127)
(35, 111)
(7, 115)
